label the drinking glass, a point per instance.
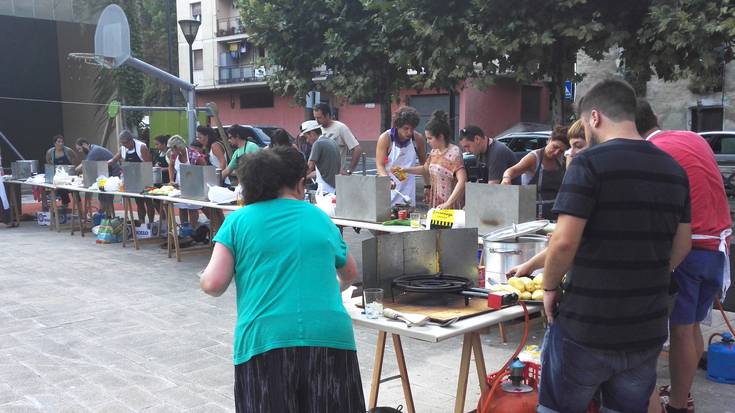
(373, 302)
(415, 220)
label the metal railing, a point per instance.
(242, 74)
(229, 26)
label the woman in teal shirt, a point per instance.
(294, 346)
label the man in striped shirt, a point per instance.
(623, 226)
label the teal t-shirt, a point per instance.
(248, 148)
(286, 254)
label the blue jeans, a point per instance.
(700, 280)
(572, 374)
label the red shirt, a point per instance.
(710, 209)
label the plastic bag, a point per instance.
(112, 184)
(110, 231)
(61, 177)
(220, 195)
(326, 202)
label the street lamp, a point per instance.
(190, 28)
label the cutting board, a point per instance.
(438, 308)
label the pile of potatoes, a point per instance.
(527, 288)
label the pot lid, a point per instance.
(516, 230)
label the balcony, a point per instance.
(242, 74)
(230, 26)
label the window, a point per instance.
(196, 11)
(198, 60)
(261, 52)
(256, 98)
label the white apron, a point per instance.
(404, 158)
(723, 249)
(4, 203)
(322, 185)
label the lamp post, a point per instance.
(190, 28)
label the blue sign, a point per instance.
(569, 91)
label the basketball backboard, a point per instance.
(112, 36)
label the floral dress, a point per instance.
(443, 167)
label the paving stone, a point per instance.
(101, 339)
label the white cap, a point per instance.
(309, 126)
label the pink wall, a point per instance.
(284, 113)
(363, 122)
(494, 109)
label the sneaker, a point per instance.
(665, 391)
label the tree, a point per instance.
(148, 39)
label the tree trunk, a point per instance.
(563, 70)
(386, 113)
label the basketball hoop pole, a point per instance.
(188, 89)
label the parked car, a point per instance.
(723, 145)
(521, 143)
(470, 164)
(269, 129)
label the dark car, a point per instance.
(269, 130)
(521, 143)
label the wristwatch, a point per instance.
(427, 186)
(349, 172)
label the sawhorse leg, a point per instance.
(470, 344)
(172, 236)
(128, 220)
(15, 209)
(378, 370)
(77, 208)
(54, 210)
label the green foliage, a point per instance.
(148, 39)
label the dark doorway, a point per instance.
(427, 104)
(531, 104)
(706, 118)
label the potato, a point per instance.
(526, 295)
(517, 283)
(539, 279)
(538, 295)
(528, 284)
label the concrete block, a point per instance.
(363, 198)
(489, 206)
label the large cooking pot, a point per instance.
(510, 246)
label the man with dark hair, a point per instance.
(623, 226)
(324, 160)
(99, 153)
(340, 133)
(705, 272)
(240, 136)
(492, 157)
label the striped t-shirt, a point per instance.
(633, 197)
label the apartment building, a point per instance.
(226, 72)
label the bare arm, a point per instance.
(559, 257)
(115, 158)
(347, 274)
(420, 147)
(145, 153)
(219, 153)
(682, 245)
(381, 152)
(527, 164)
(536, 262)
(356, 154)
(217, 276)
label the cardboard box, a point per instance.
(43, 218)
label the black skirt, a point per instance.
(300, 379)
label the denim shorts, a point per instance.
(700, 280)
(573, 374)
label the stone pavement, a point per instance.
(86, 327)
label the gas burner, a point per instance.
(429, 284)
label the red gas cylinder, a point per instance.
(518, 394)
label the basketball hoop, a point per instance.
(94, 59)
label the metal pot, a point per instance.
(501, 256)
(157, 175)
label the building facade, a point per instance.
(226, 72)
(677, 104)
